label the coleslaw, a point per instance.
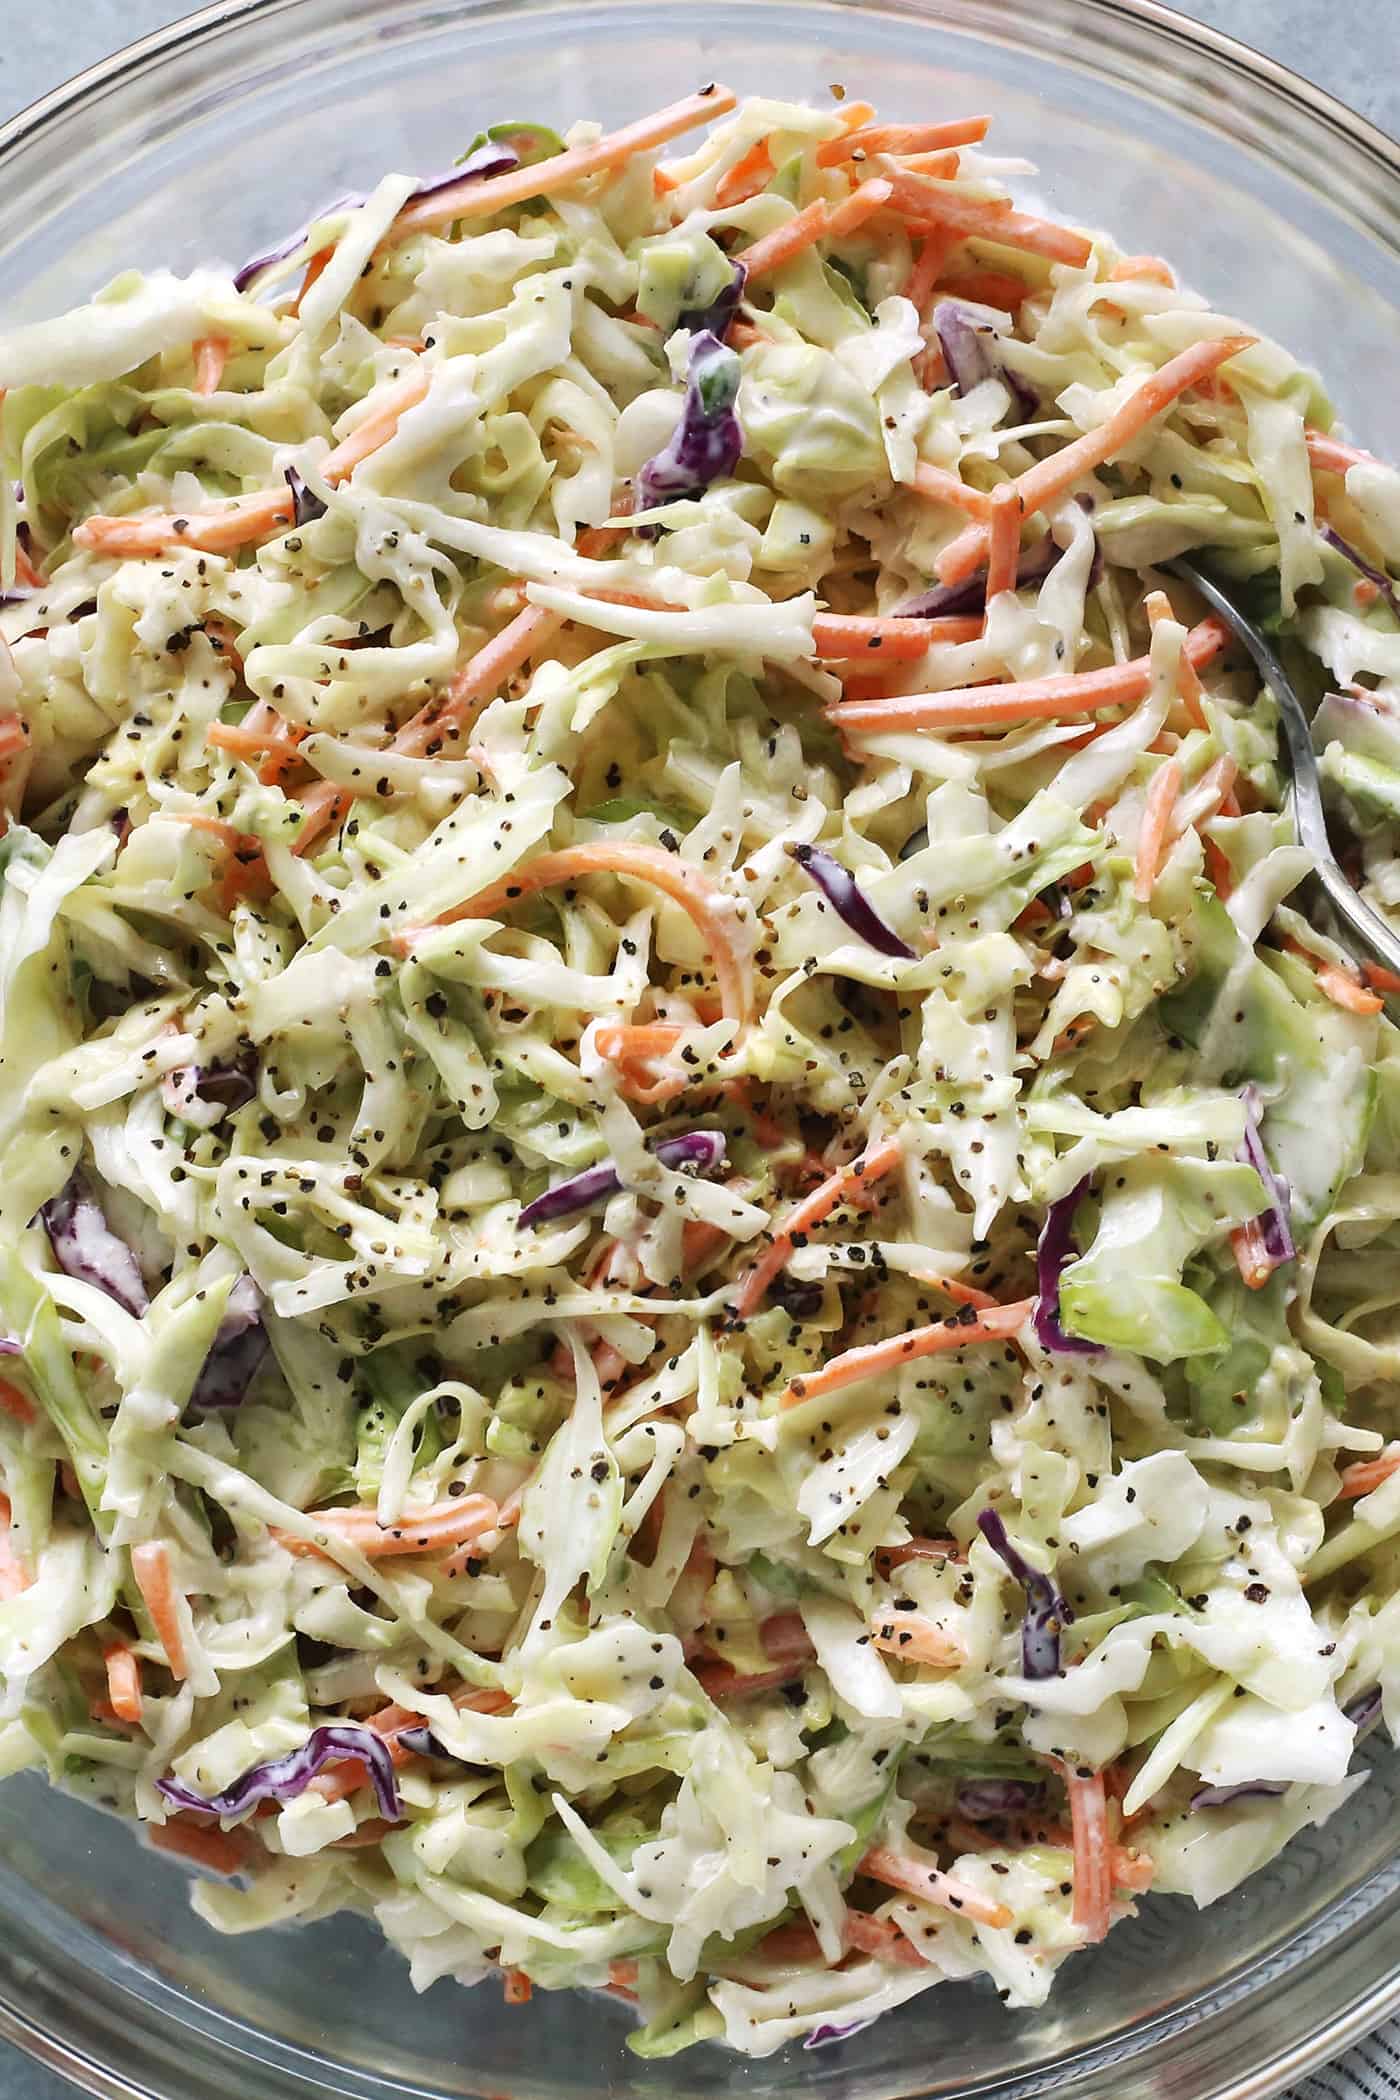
(698, 1285)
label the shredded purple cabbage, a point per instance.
(490, 159)
(1384, 584)
(987, 1800)
(1275, 1224)
(837, 2031)
(1055, 1250)
(306, 507)
(950, 600)
(236, 1353)
(846, 898)
(423, 1743)
(1047, 1612)
(10, 1346)
(702, 1149)
(1248, 1789)
(284, 1778)
(1364, 1711)
(715, 318)
(18, 596)
(84, 1245)
(969, 352)
(229, 1086)
(707, 442)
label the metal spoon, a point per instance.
(1361, 927)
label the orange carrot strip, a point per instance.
(903, 138)
(989, 288)
(1333, 455)
(838, 1188)
(450, 1523)
(123, 1681)
(622, 1975)
(1052, 476)
(1063, 693)
(246, 873)
(1218, 868)
(749, 174)
(210, 356)
(240, 521)
(880, 1937)
(718, 1681)
(1158, 607)
(1093, 1871)
(25, 571)
(922, 200)
(320, 262)
(150, 1566)
(942, 166)
(1156, 825)
(1380, 979)
(377, 427)
(911, 1637)
(14, 1576)
(13, 735)
(243, 742)
(619, 1043)
(17, 1405)
(921, 1877)
(926, 271)
(961, 1293)
(702, 901)
(1004, 539)
(941, 486)
(887, 1557)
(841, 636)
(517, 1987)
(900, 1349)
(1367, 1474)
(473, 199)
(862, 204)
(339, 1781)
(1344, 991)
(1142, 268)
(220, 1851)
(799, 232)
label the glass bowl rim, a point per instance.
(1264, 72)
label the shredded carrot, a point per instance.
(517, 1987)
(1218, 868)
(718, 1681)
(989, 288)
(799, 232)
(210, 356)
(903, 138)
(14, 1576)
(911, 1637)
(702, 901)
(237, 524)
(1252, 1257)
(452, 1523)
(220, 1851)
(246, 873)
(339, 1781)
(887, 1557)
(840, 637)
(316, 267)
(1063, 693)
(240, 741)
(1380, 979)
(1004, 539)
(749, 174)
(921, 1877)
(622, 1975)
(17, 1405)
(150, 1567)
(1052, 476)
(923, 200)
(880, 1937)
(476, 199)
(846, 1183)
(123, 1681)
(1148, 269)
(1333, 455)
(13, 735)
(1367, 1474)
(1158, 607)
(942, 166)
(1344, 991)
(900, 1349)
(862, 204)
(1156, 828)
(941, 486)
(25, 571)
(927, 268)
(1093, 1874)
(377, 427)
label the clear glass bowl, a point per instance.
(203, 143)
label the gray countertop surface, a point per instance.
(1346, 46)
